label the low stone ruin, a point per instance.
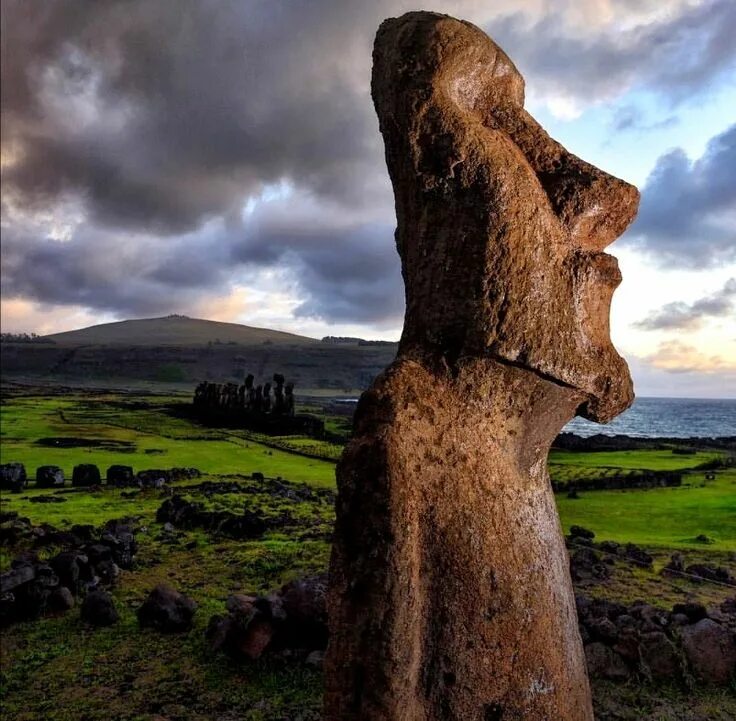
(266, 408)
(293, 619)
(621, 481)
(687, 643)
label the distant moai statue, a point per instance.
(200, 394)
(266, 404)
(279, 404)
(289, 399)
(249, 392)
(450, 596)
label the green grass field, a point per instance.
(150, 439)
(140, 433)
(58, 669)
(667, 517)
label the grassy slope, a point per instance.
(670, 517)
(175, 330)
(158, 441)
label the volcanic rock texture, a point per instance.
(450, 593)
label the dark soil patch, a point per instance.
(72, 442)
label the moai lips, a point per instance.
(450, 592)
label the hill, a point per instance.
(177, 330)
(185, 351)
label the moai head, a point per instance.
(249, 381)
(500, 229)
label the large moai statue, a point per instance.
(450, 596)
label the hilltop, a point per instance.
(182, 350)
(178, 330)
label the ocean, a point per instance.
(667, 417)
(659, 418)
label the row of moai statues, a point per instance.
(258, 399)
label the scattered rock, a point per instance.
(604, 662)
(189, 514)
(579, 532)
(98, 609)
(315, 659)
(304, 602)
(166, 610)
(17, 576)
(675, 566)
(183, 474)
(638, 555)
(61, 599)
(711, 573)
(586, 564)
(609, 547)
(73, 570)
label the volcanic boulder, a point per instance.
(167, 610)
(98, 609)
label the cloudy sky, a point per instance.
(222, 159)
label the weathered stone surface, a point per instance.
(450, 596)
(49, 477)
(86, 474)
(604, 662)
(711, 651)
(120, 476)
(660, 657)
(167, 610)
(13, 477)
(98, 609)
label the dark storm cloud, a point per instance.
(105, 271)
(687, 216)
(161, 118)
(179, 109)
(678, 56)
(347, 270)
(684, 316)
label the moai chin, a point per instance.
(450, 593)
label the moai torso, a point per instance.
(450, 597)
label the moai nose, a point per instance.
(593, 206)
